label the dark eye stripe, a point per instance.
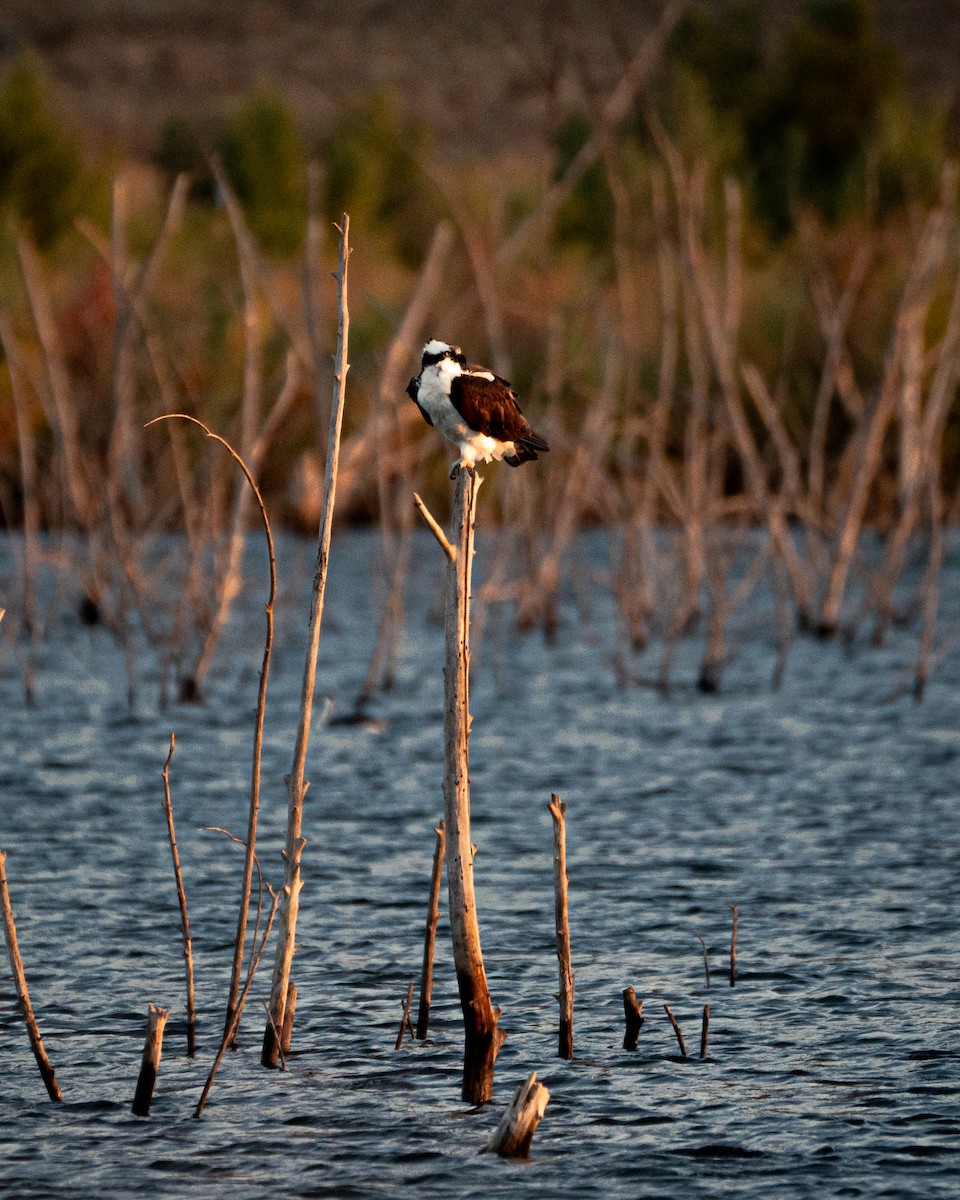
(429, 359)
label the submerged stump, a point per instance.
(150, 1064)
(633, 1015)
(519, 1123)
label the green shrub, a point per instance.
(587, 216)
(40, 164)
(725, 50)
(372, 163)
(179, 151)
(819, 111)
(264, 159)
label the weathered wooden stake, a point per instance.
(704, 1031)
(558, 811)
(519, 1123)
(430, 935)
(482, 1036)
(633, 1013)
(733, 946)
(182, 897)
(676, 1029)
(405, 1018)
(152, 1047)
(23, 996)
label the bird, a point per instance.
(473, 408)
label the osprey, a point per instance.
(473, 408)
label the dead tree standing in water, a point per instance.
(483, 1038)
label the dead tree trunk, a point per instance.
(23, 996)
(483, 1038)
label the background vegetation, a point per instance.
(816, 124)
(729, 283)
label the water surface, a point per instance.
(828, 812)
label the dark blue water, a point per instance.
(828, 812)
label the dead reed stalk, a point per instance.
(27, 454)
(558, 811)
(254, 809)
(430, 935)
(296, 782)
(676, 1029)
(23, 994)
(256, 953)
(931, 586)
(396, 519)
(182, 898)
(900, 368)
(405, 1016)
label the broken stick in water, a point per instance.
(633, 1013)
(704, 1031)
(519, 1123)
(23, 996)
(182, 897)
(150, 1065)
(676, 1029)
(289, 1012)
(706, 963)
(430, 935)
(558, 811)
(405, 1019)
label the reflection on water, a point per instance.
(828, 814)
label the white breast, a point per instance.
(434, 396)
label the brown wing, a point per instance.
(489, 406)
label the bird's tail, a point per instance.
(526, 449)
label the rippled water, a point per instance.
(827, 812)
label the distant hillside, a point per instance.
(488, 75)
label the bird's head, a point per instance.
(435, 352)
